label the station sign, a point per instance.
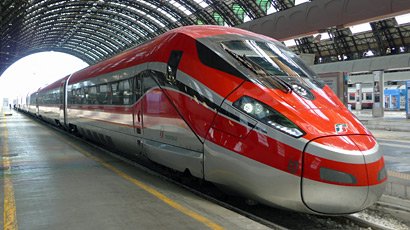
(337, 81)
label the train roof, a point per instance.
(53, 85)
(106, 66)
(119, 61)
(212, 30)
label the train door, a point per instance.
(63, 102)
(37, 111)
(137, 111)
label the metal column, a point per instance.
(408, 99)
(358, 96)
(378, 92)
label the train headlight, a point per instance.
(302, 91)
(258, 108)
(268, 116)
(248, 107)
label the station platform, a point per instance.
(52, 181)
(393, 134)
(391, 121)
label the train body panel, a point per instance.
(233, 107)
(339, 166)
(25, 107)
(51, 102)
(150, 117)
(244, 176)
(32, 107)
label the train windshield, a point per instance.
(274, 64)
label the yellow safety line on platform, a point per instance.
(9, 212)
(151, 190)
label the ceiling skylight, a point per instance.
(360, 28)
(323, 36)
(403, 19)
(271, 10)
(290, 42)
(181, 7)
(298, 2)
(202, 3)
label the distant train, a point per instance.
(394, 97)
(228, 106)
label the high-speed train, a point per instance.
(228, 106)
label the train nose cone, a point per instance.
(342, 174)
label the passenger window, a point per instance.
(73, 97)
(56, 98)
(103, 94)
(125, 92)
(369, 96)
(351, 96)
(128, 95)
(83, 95)
(61, 95)
(149, 82)
(115, 94)
(138, 86)
(127, 87)
(92, 95)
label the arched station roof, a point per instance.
(95, 30)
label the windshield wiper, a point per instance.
(257, 69)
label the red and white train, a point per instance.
(232, 107)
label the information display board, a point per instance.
(337, 81)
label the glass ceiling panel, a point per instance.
(201, 3)
(181, 7)
(323, 36)
(155, 8)
(403, 19)
(298, 2)
(112, 25)
(290, 43)
(167, 14)
(360, 28)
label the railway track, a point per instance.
(268, 216)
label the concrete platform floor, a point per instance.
(50, 181)
(391, 121)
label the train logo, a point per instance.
(341, 128)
